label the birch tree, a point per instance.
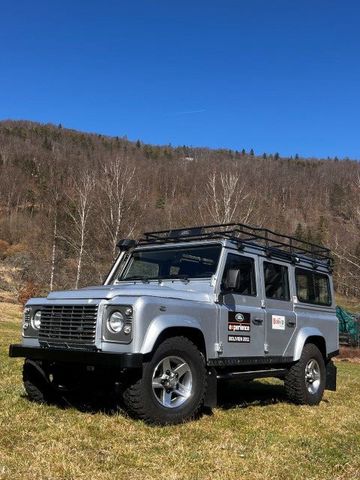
(78, 211)
(119, 197)
(226, 198)
(54, 197)
(54, 243)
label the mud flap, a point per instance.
(331, 372)
(210, 400)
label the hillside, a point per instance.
(67, 196)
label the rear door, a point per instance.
(241, 326)
(280, 321)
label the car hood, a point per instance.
(195, 291)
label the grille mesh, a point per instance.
(68, 324)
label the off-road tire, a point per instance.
(35, 385)
(139, 399)
(295, 384)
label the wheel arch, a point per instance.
(193, 334)
(319, 342)
(309, 335)
(165, 327)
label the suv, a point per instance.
(181, 309)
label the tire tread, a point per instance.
(34, 388)
(295, 388)
(134, 398)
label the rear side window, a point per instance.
(276, 280)
(312, 287)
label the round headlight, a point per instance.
(36, 320)
(116, 322)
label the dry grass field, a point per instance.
(254, 434)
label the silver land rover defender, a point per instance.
(181, 309)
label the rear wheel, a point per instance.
(172, 386)
(305, 381)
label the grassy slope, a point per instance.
(254, 435)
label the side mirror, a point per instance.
(126, 244)
(232, 279)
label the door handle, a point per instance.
(257, 321)
(291, 323)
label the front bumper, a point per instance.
(104, 359)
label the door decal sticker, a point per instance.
(239, 322)
(239, 338)
(238, 327)
(278, 322)
(240, 317)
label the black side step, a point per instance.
(250, 375)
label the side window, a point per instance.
(246, 284)
(276, 281)
(312, 287)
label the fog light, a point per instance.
(128, 311)
(127, 329)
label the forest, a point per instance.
(67, 197)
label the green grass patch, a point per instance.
(254, 434)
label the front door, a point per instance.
(241, 326)
(280, 322)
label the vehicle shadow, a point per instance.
(85, 401)
(240, 394)
(231, 394)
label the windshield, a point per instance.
(174, 262)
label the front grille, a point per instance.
(68, 325)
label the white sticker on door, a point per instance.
(278, 322)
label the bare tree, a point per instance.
(78, 210)
(347, 239)
(118, 199)
(226, 198)
(54, 213)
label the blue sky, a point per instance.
(272, 75)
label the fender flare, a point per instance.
(163, 322)
(303, 335)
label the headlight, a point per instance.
(36, 320)
(116, 322)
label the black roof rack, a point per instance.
(273, 243)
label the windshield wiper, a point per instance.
(185, 278)
(141, 279)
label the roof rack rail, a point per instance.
(272, 242)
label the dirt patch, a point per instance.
(349, 354)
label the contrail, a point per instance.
(186, 112)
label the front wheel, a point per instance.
(172, 386)
(35, 382)
(305, 380)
